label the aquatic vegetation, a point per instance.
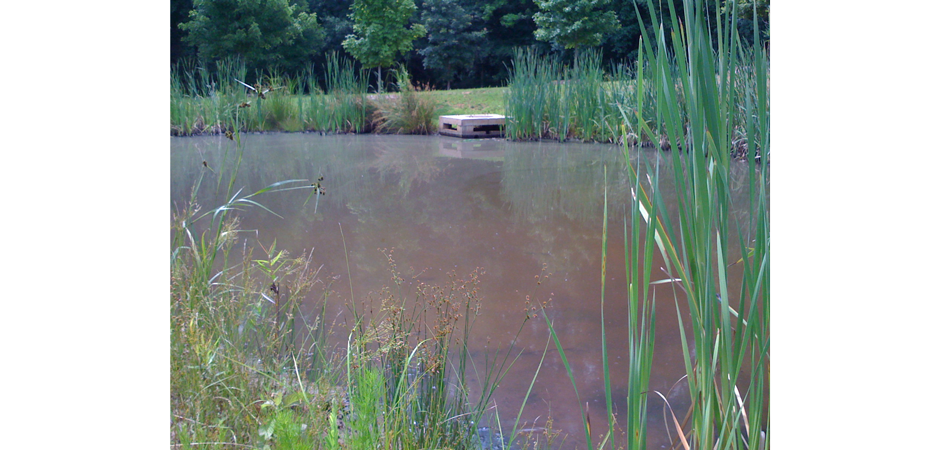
(240, 346)
(546, 99)
(252, 363)
(204, 102)
(727, 356)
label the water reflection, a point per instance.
(517, 210)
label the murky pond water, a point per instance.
(515, 210)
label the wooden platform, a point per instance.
(473, 125)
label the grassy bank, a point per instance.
(543, 99)
(332, 99)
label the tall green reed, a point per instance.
(700, 107)
(533, 92)
(548, 100)
(204, 101)
(731, 345)
(348, 107)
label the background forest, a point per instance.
(443, 43)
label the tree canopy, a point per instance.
(265, 33)
(381, 32)
(468, 43)
(452, 45)
(574, 23)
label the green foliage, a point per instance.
(745, 9)
(204, 102)
(381, 31)
(574, 23)
(333, 15)
(408, 367)
(264, 33)
(508, 25)
(547, 100)
(179, 11)
(237, 361)
(728, 368)
(452, 46)
(406, 112)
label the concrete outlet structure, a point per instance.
(473, 125)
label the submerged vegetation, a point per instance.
(251, 367)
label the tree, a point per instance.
(333, 16)
(380, 32)
(179, 11)
(264, 33)
(574, 23)
(508, 24)
(451, 46)
(746, 11)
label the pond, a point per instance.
(515, 210)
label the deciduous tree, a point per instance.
(574, 23)
(452, 46)
(381, 32)
(264, 33)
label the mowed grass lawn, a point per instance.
(468, 101)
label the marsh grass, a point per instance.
(333, 98)
(346, 106)
(548, 100)
(204, 102)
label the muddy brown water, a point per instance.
(515, 210)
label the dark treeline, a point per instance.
(467, 44)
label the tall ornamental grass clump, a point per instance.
(406, 112)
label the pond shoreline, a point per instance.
(739, 149)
